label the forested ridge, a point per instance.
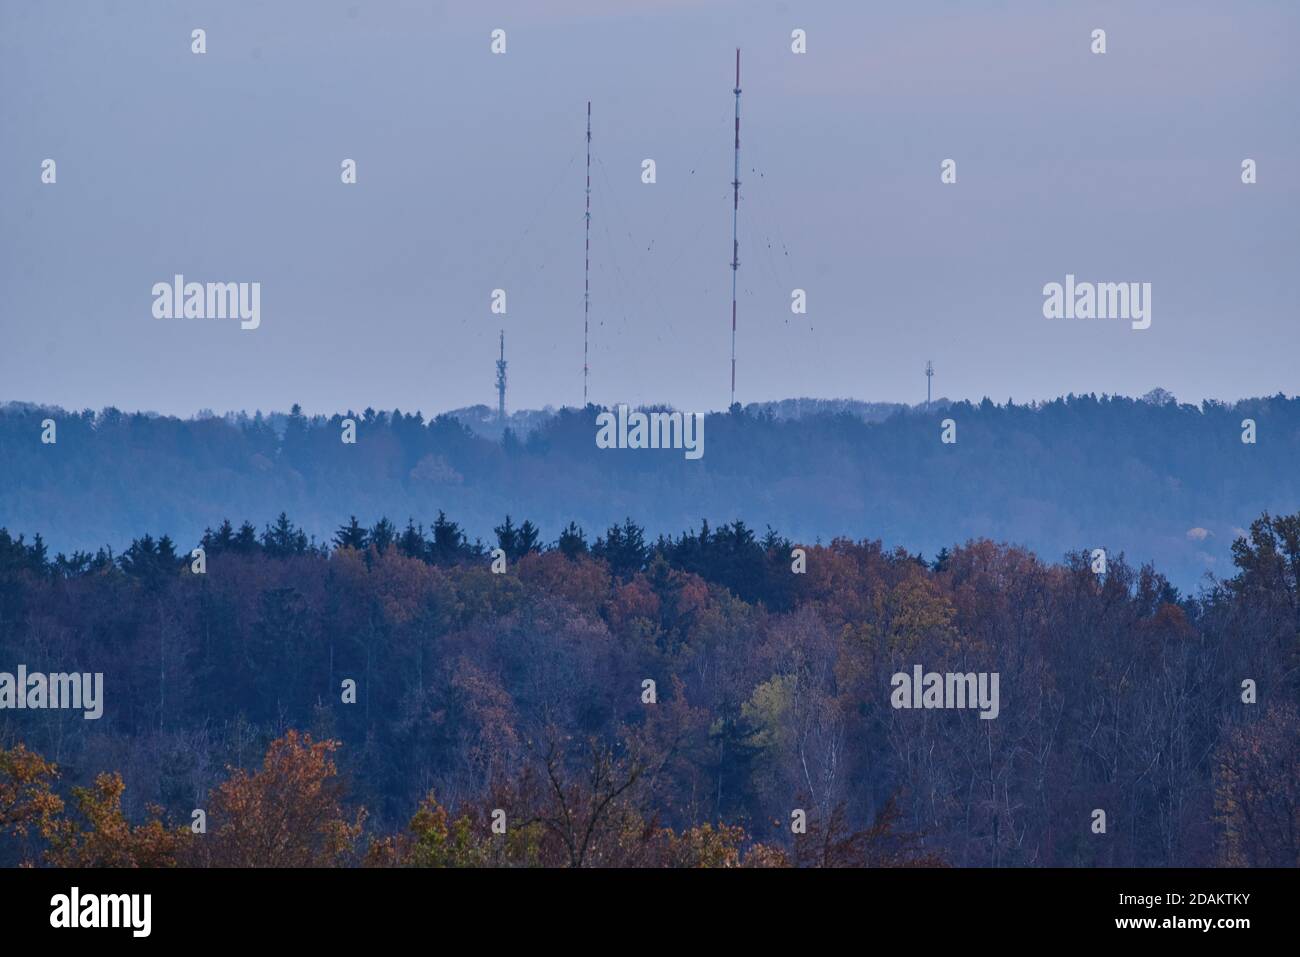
(519, 697)
(1161, 481)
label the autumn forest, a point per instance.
(392, 699)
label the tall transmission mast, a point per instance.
(501, 380)
(735, 243)
(586, 277)
(929, 374)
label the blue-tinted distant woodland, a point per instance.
(1158, 481)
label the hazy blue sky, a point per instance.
(225, 167)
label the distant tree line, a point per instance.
(1162, 481)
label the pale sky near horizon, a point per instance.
(226, 167)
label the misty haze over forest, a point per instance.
(1159, 481)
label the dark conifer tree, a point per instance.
(351, 535)
(573, 541)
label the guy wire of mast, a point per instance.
(735, 243)
(586, 277)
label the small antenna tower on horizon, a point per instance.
(929, 374)
(735, 244)
(501, 380)
(586, 277)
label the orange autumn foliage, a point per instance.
(101, 836)
(288, 814)
(27, 798)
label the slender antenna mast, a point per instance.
(735, 243)
(929, 374)
(501, 380)
(586, 277)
